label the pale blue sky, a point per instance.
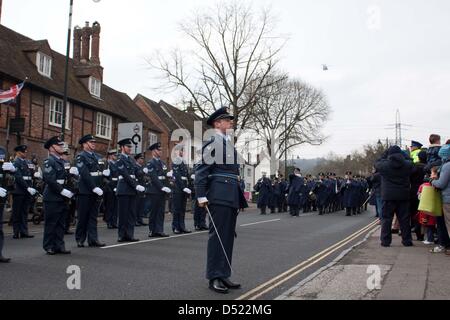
(399, 60)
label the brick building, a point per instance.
(168, 119)
(93, 107)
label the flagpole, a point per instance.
(66, 72)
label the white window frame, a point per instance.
(52, 113)
(103, 123)
(95, 87)
(44, 64)
(152, 138)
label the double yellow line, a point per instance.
(282, 278)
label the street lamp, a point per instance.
(66, 70)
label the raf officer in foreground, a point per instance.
(90, 193)
(217, 186)
(55, 193)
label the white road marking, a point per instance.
(261, 222)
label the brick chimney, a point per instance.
(86, 47)
(95, 53)
(77, 45)
(86, 43)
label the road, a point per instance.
(174, 268)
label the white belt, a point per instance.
(96, 174)
(184, 178)
(61, 181)
(115, 179)
(162, 178)
(132, 177)
(27, 178)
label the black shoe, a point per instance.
(51, 252)
(110, 227)
(26, 236)
(218, 286)
(205, 228)
(175, 231)
(144, 224)
(198, 229)
(408, 244)
(230, 285)
(133, 240)
(395, 231)
(69, 233)
(4, 260)
(385, 245)
(97, 245)
(16, 236)
(186, 231)
(80, 244)
(64, 252)
(162, 235)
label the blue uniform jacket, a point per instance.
(264, 187)
(219, 182)
(127, 169)
(157, 171)
(296, 190)
(23, 177)
(180, 176)
(352, 194)
(90, 175)
(55, 177)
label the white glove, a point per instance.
(166, 190)
(140, 189)
(145, 170)
(98, 192)
(193, 177)
(106, 173)
(115, 190)
(32, 191)
(74, 171)
(187, 190)
(3, 192)
(202, 200)
(170, 174)
(37, 175)
(8, 166)
(66, 193)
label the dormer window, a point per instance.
(95, 87)
(44, 64)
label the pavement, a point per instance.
(368, 271)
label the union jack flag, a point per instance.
(11, 94)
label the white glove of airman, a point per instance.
(8, 166)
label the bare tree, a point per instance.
(235, 51)
(289, 113)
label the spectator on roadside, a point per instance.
(416, 148)
(417, 179)
(427, 221)
(395, 173)
(433, 159)
(443, 184)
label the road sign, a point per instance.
(133, 131)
